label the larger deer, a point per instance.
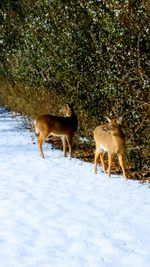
(110, 138)
(64, 127)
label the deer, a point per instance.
(61, 126)
(110, 138)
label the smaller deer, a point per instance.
(64, 127)
(110, 138)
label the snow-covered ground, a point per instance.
(57, 213)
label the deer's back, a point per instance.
(57, 124)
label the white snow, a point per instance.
(57, 213)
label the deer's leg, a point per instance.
(95, 160)
(69, 141)
(109, 163)
(102, 161)
(64, 145)
(40, 142)
(122, 164)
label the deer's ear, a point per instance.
(119, 120)
(70, 105)
(108, 119)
